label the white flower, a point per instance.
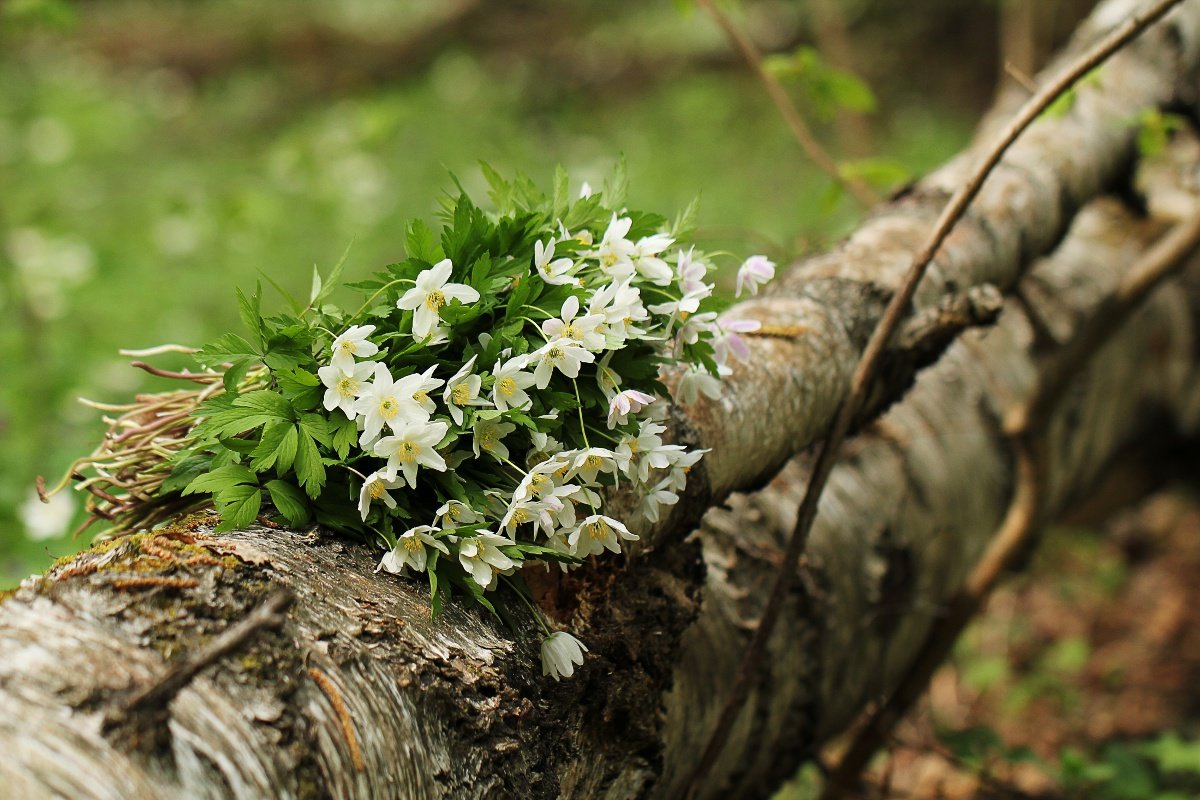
(584, 237)
(592, 461)
(625, 403)
(421, 386)
(565, 355)
(353, 344)
(688, 304)
(691, 272)
(584, 330)
(452, 513)
(646, 261)
(388, 402)
(648, 450)
(696, 325)
(344, 385)
(489, 435)
(555, 272)
(660, 495)
(544, 447)
(375, 487)
(410, 550)
(596, 533)
(696, 381)
(585, 190)
(614, 250)
(727, 343)
(430, 294)
(621, 304)
(462, 390)
(508, 390)
(681, 465)
(607, 378)
(411, 447)
(480, 555)
(754, 272)
(520, 512)
(560, 653)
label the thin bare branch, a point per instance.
(865, 371)
(808, 142)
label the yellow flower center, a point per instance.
(454, 513)
(597, 530)
(376, 489)
(520, 516)
(435, 300)
(608, 259)
(507, 386)
(421, 397)
(408, 452)
(460, 394)
(554, 353)
(594, 461)
(571, 331)
(411, 543)
(540, 483)
(347, 386)
(389, 407)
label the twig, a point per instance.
(864, 373)
(1025, 425)
(808, 142)
(161, 691)
(345, 721)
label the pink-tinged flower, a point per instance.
(754, 272)
(727, 343)
(431, 293)
(625, 403)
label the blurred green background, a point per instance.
(154, 155)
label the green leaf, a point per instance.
(317, 427)
(420, 242)
(250, 309)
(238, 506)
(344, 433)
(221, 479)
(617, 187)
(501, 193)
(290, 501)
(227, 347)
(562, 190)
(276, 449)
(308, 466)
(267, 403)
(184, 472)
(235, 373)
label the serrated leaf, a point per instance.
(266, 402)
(250, 309)
(317, 427)
(501, 193)
(290, 501)
(562, 189)
(420, 241)
(344, 433)
(308, 466)
(184, 472)
(238, 506)
(225, 348)
(617, 187)
(277, 448)
(221, 479)
(235, 373)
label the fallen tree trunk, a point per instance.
(360, 694)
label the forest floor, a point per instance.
(1081, 680)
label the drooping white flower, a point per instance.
(625, 403)
(607, 378)
(353, 344)
(596, 533)
(375, 487)
(480, 555)
(681, 308)
(638, 455)
(681, 465)
(621, 304)
(646, 261)
(431, 293)
(508, 388)
(520, 512)
(462, 390)
(696, 325)
(453, 513)
(412, 446)
(488, 437)
(344, 386)
(690, 272)
(564, 355)
(544, 447)
(660, 495)
(696, 381)
(410, 550)
(560, 653)
(551, 270)
(728, 344)
(387, 402)
(754, 272)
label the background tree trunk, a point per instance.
(360, 694)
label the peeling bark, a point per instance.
(360, 694)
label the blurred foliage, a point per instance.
(156, 155)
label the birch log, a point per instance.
(360, 694)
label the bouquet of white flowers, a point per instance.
(473, 412)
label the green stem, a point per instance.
(380, 291)
(579, 408)
(537, 615)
